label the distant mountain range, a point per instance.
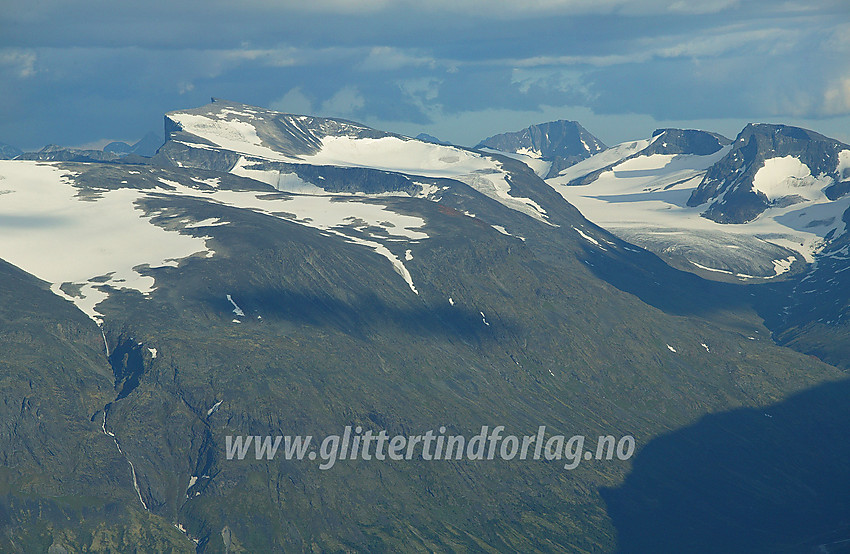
(425, 137)
(112, 152)
(744, 209)
(270, 274)
(147, 146)
(7, 151)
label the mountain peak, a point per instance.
(686, 141)
(8, 152)
(770, 165)
(561, 142)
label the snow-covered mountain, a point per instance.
(773, 167)
(270, 274)
(298, 153)
(547, 147)
(664, 194)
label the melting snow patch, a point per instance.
(670, 348)
(214, 407)
(451, 302)
(211, 222)
(588, 237)
(705, 346)
(153, 353)
(408, 255)
(484, 319)
(236, 309)
(505, 232)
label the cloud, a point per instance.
(836, 99)
(294, 101)
(20, 61)
(78, 72)
(386, 58)
(346, 102)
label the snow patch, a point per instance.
(236, 309)
(588, 238)
(210, 222)
(214, 407)
(843, 168)
(788, 176)
(505, 232)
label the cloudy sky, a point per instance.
(90, 71)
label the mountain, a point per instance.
(644, 192)
(297, 153)
(425, 137)
(147, 145)
(560, 143)
(7, 151)
(772, 166)
(666, 195)
(663, 142)
(118, 147)
(272, 274)
(54, 153)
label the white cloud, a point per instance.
(703, 6)
(345, 102)
(21, 61)
(385, 58)
(836, 99)
(294, 101)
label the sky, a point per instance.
(87, 72)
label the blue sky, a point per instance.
(91, 71)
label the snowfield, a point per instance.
(220, 129)
(644, 200)
(81, 246)
(87, 246)
(788, 176)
